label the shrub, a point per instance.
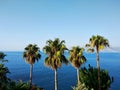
(80, 86)
(90, 78)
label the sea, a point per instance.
(67, 78)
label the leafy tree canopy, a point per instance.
(89, 78)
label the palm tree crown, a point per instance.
(55, 50)
(76, 56)
(98, 42)
(31, 54)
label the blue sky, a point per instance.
(75, 21)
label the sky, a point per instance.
(35, 21)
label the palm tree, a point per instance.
(55, 51)
(77, 58)
(99, 43)
(31, 54)
(2, 56)
(3, 72)
(4, 80)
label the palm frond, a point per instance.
(90, 50)
(64, 60)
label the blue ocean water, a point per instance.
(44, 77)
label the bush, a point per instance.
(90, 78)
(80, 86)
(19, 85)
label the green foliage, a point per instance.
(20, 85)
(4, 80)
(90, 78)
(76, 56)
(3, 73)
(55, 51)
(80, 86)
(98, 42)
(31, 54)
(2, 56)
(14, 85)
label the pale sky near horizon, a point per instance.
(34, 21)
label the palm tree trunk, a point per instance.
(31, 69)
(78, 77)
(56, 84)
(98, 66)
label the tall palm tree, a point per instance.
(55, 51)
(31, 54)
(77, 58)
(99, 43)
